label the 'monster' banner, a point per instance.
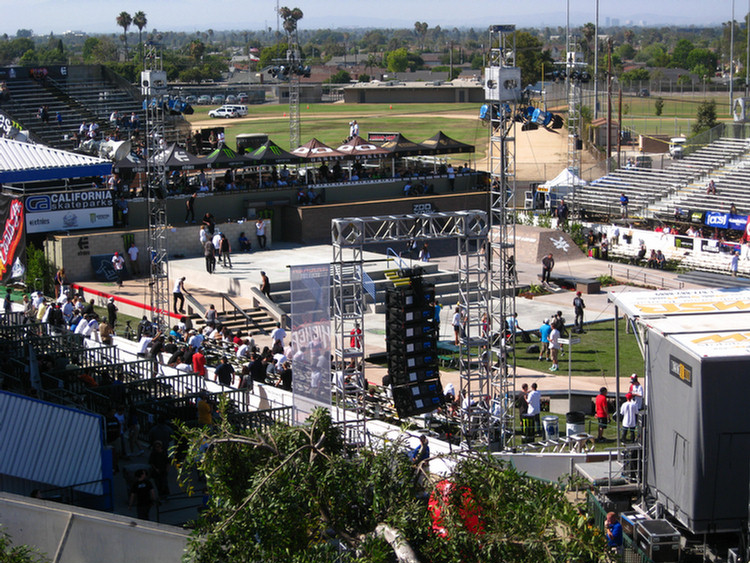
(12, 246)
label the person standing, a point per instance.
(190, 208)
(209, 222)
(424, 254)
(734, 264)
(548, 262)
(602, 413)
(624, 205)
(544, 332)
(111, 312)
(534, 400)
(225, 249)
(613, 530)
(265, 286)
(636, 389)
(456, 322)
(224, 373)
(133, 255)
(260, 232)
(60, 282)
(451, 177)
(554, 347)
(142, 494)
(177, 295)
(118, 263)
(208, 253)
(629, 414)
(579, 306)
(436, 319)
(199, 363)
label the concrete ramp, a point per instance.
(534, 243)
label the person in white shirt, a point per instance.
(133, 255)
(554, 347)
(195, 340)
(243, 351)
(629, 413)
(535, 407)
(178, 296)
(278, 335)
(636, 389)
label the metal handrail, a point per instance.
(248, 319)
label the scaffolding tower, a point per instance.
(293, 61)
(154, 91)
(502, 94)
(351, 287)
(575, 70)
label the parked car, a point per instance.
(191, 99)
(243, 98)
(231, 99)
(644, 93)
(239, 109)
(204, 100)
(218, 99)
(222, 112)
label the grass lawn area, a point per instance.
(329, 123)
(594, 356)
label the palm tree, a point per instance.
(124, 20)
(140, 21)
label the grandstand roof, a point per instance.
(24, 162)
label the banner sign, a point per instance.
(9, 129)
(683, 242)
(737, 222)
(67, 211)
(12, 244)
(310, 288)
(715, 219)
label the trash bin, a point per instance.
(527, 428)
(550, 425)
(575, 423)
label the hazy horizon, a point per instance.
(90, 16)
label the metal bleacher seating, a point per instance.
(650, 190)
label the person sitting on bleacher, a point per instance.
(652, 260)
(661, 260)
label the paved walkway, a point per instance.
(531, 312)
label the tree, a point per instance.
(681, 52)
(635, 75)
(300, 494)
(398, 60)
(420, 30)
(702, 57)
(18, 554)
(290, 17)
(530, 57)
(658, 105)
(124, 20)
(140, 21)
(197, 49)
(705, 117)
(340, 77)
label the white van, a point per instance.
(240, 110)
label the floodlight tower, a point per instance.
(575, 74)
(502, 92)
(154, 91)
(293, 60)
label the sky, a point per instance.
(98, 16)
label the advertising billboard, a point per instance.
(69, 211)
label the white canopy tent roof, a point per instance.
(25, 162)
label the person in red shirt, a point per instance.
(602, 413)
(199, 363)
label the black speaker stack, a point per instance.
(412, 346)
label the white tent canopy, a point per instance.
(566, 178)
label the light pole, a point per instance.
(731, 60)
(596, 62)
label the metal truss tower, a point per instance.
(574, 68)
(349, 236)
(293, 60)
(154, 90)
(502, 94)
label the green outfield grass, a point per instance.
(329, 123)
(594, 356)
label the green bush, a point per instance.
(39, 270)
